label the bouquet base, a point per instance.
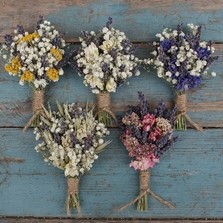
(104, 114)
(72, 200)
(37, 107)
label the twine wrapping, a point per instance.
(181, 103)
(72, 200)
(144, 180)
(104, 104)
(37, 107)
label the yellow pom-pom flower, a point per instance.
(27, 76)
(14, 66)
(53, 74)
(29, 37)
(56, 53)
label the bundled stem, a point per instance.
(182, 116)
(37, 108)
(72, 200)
(142, 202)
(104, 114)
(144, 181)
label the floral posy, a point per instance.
(106, 59)
(146, 136)
(72, 140)
(34, 57)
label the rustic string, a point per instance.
(37, 107)
(144, 190)
(104, 104)
(72, 192)
(181, 103)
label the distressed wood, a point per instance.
(64, 220)
(32, 188)
(147, 17)
(189, 176)
(205, 105)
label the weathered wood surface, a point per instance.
(147, 17)
(56, 220)
(190, 175)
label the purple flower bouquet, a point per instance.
(146, 136)
(183, 59)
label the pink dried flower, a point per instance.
(145, 163)
(132, 119)
(148, 121)
(155, 134)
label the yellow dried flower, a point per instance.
(56, 53)
(53, 74)
(14, 66)
(27, 76)
(29, 37)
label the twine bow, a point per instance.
(72, 200)
(145, 190)
(37, 107)
(104, 104)
(181, 103)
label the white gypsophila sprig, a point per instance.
(106, 60)
(34, 57)
(72, 138)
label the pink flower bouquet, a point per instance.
(147, 136)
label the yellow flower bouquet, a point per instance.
(35, 58)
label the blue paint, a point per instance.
(189, 175)
(138, 24)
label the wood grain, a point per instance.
(205, 105)
(147, 17)
(189, 176)
(64, 220)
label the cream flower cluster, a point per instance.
(34, 57)
(106, 60)
(72, 138)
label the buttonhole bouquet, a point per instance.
(183, 59)
(72, 139)
(106, 60)
(146, 136)
(35, 59)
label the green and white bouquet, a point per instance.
(106, 60)
(35, 59)
(72, 140)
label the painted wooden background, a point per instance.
(190, 175)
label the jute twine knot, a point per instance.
(37, 106)
(38, 101)
(181, 103)
(144, 180)
(104, 104)
(72, 195)
(104, 101)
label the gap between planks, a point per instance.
(122, 220)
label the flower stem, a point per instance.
(180, 123)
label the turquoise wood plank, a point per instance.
(189, 175)
(205, 105)
(140, 20)
(146, 18)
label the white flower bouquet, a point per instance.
(106, 59)
(72, 140)
(35, 59)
